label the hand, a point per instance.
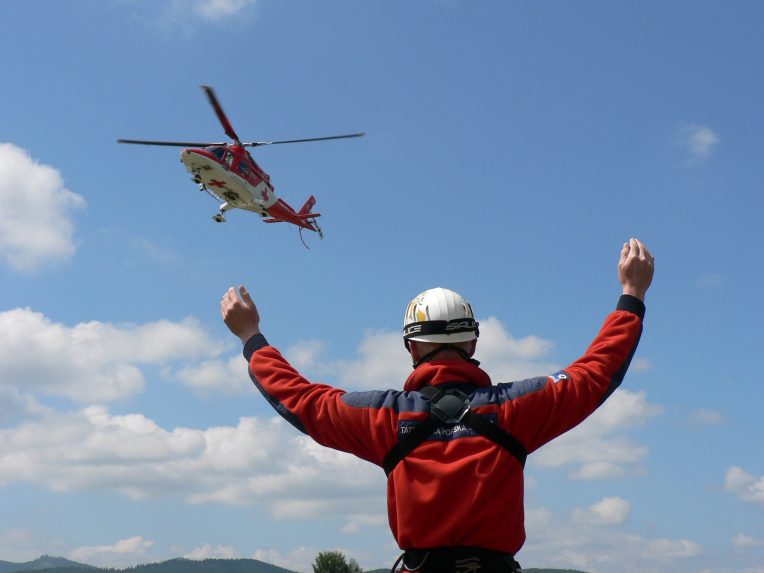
(635, 269)
(240, 313)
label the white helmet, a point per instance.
(439, 315)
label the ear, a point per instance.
(473, 346)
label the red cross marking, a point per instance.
(216, 183)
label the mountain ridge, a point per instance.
(50, 564)
(41, 563)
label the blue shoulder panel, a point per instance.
(394, 399)
(414, 401)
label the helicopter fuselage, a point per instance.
(231, 177)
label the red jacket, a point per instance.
(457, 488)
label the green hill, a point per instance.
(47, 564)
(43, 563)
(208, 566)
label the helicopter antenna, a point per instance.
(303, 238)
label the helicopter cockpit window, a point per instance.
(244, 169)
(218, 152)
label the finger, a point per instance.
(636, 247)
(228, 299)
(245, 294)
(624, 251)
(645, 253)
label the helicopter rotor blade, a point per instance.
(220, 113)
(170, 143)
(258, 143)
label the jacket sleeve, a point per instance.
(543, 408)
(360, 426)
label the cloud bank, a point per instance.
(599, 448)
(591, 539)
(121, 554)
(36, 229)
(91, 361)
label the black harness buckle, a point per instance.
(449, 406)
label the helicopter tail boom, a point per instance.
(304, 217)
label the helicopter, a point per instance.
(228, 173)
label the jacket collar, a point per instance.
(443, 371)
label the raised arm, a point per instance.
(548, 406)
(315, 409)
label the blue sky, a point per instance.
(511, 148)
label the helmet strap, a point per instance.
(430, 355)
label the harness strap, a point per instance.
(408, 442)
(494, 432)
(454, 409)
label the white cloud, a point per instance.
(123, 553)
(93, 361)
(741, 540)
(225, 376)
(706, 418)
(20, 545)
(597, 448)
(744, 485)
(306, 354)
(191, 15)
(155, 252)
(206, 551)
(711, 281)
(256, 462)
(640, 364)
(356, 523)
(219, 9)
(507, 358)
(383, 363)
(16, 405)
(298, 560)
(36, 230)
(592, 540)
(610, 510)
(698, 141)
